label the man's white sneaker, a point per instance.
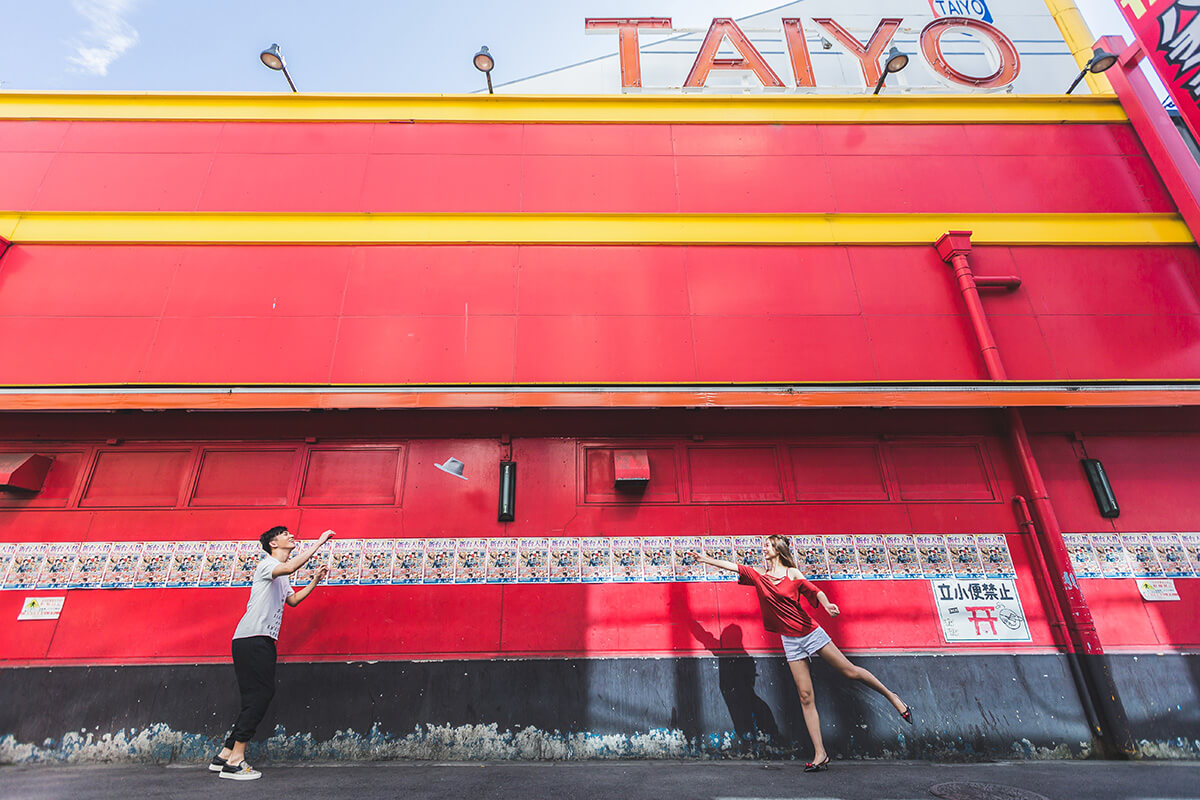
(240, 772)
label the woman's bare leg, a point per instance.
(838, 661)
(812, 721)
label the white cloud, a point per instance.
(108, 37)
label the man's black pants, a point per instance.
(254, 665)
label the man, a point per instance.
(254, 643)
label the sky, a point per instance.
(344, 46)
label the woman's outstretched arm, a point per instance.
(716, 562)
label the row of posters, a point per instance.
(124, 565)
(1134, 555)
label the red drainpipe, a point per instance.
(1113, 728)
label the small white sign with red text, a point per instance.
(1154, 589)
(983, 610)
(41, 608)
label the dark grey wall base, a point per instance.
(967, 708)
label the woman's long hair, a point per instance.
(783, 550)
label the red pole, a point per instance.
(953, 248)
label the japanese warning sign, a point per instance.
(1169, 32)
(987, 610)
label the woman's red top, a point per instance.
(780, 602)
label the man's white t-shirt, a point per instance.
(264, 611)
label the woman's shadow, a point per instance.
(736, 673)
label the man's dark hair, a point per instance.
(266, 538)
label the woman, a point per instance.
(779, 590)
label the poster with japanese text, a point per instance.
(123, 558)
(186, 563)
(902, 554)
(408, 561)
(502, 561)
(564, 559)
(964, 556)
(376, 566)
(470, 561)
(595, 557)
(720, 548)
(439, 561)
(1083, 555)
(993, 552)
(872, 556)
(843, 557)
(626, 559)
(1191, 546)
(1114, 563)
(748, 550)
(934, 555)
(684, 550)
(152, 570)
(811, 558)
(345, 561)
(656, 559)
(1141, 553)
(1169, 549)
(89, 566)
(1168, 31)
(308, 570)
(533, 560)
(219, 559)
(58, 566)
(984, 610)
(8, 551)
(249, 554)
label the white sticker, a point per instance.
(1157, 589)
(41, 608)
(980, 610)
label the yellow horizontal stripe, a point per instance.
(703, 229)
(561, 108)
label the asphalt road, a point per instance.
(627, 780)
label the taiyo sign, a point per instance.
(1001, 66)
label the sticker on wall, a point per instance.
(934, 555)
(35, 608)
(408, 561)
(721, 548)
(89, 566)
(470, 561)
(376, 568)
(1141, 553)
(902, 554)
(123, 558)
(986, 610)
(58, 566)
(964, 556)
(154, 565)
(1083, 555)
(533, 560)
(684, 550)
(439, 561)
(1157, 590)
(656, 559)
(502, 560)
(843, 559)
(993, 552)
(872, 556)
(1191, 546)
(1168, 548)
(186, 564)
(1114, 563)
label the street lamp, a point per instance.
(272, 57)
(896, 61)
(1101, 61)
(484, 62)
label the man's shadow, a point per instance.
(736, 673)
